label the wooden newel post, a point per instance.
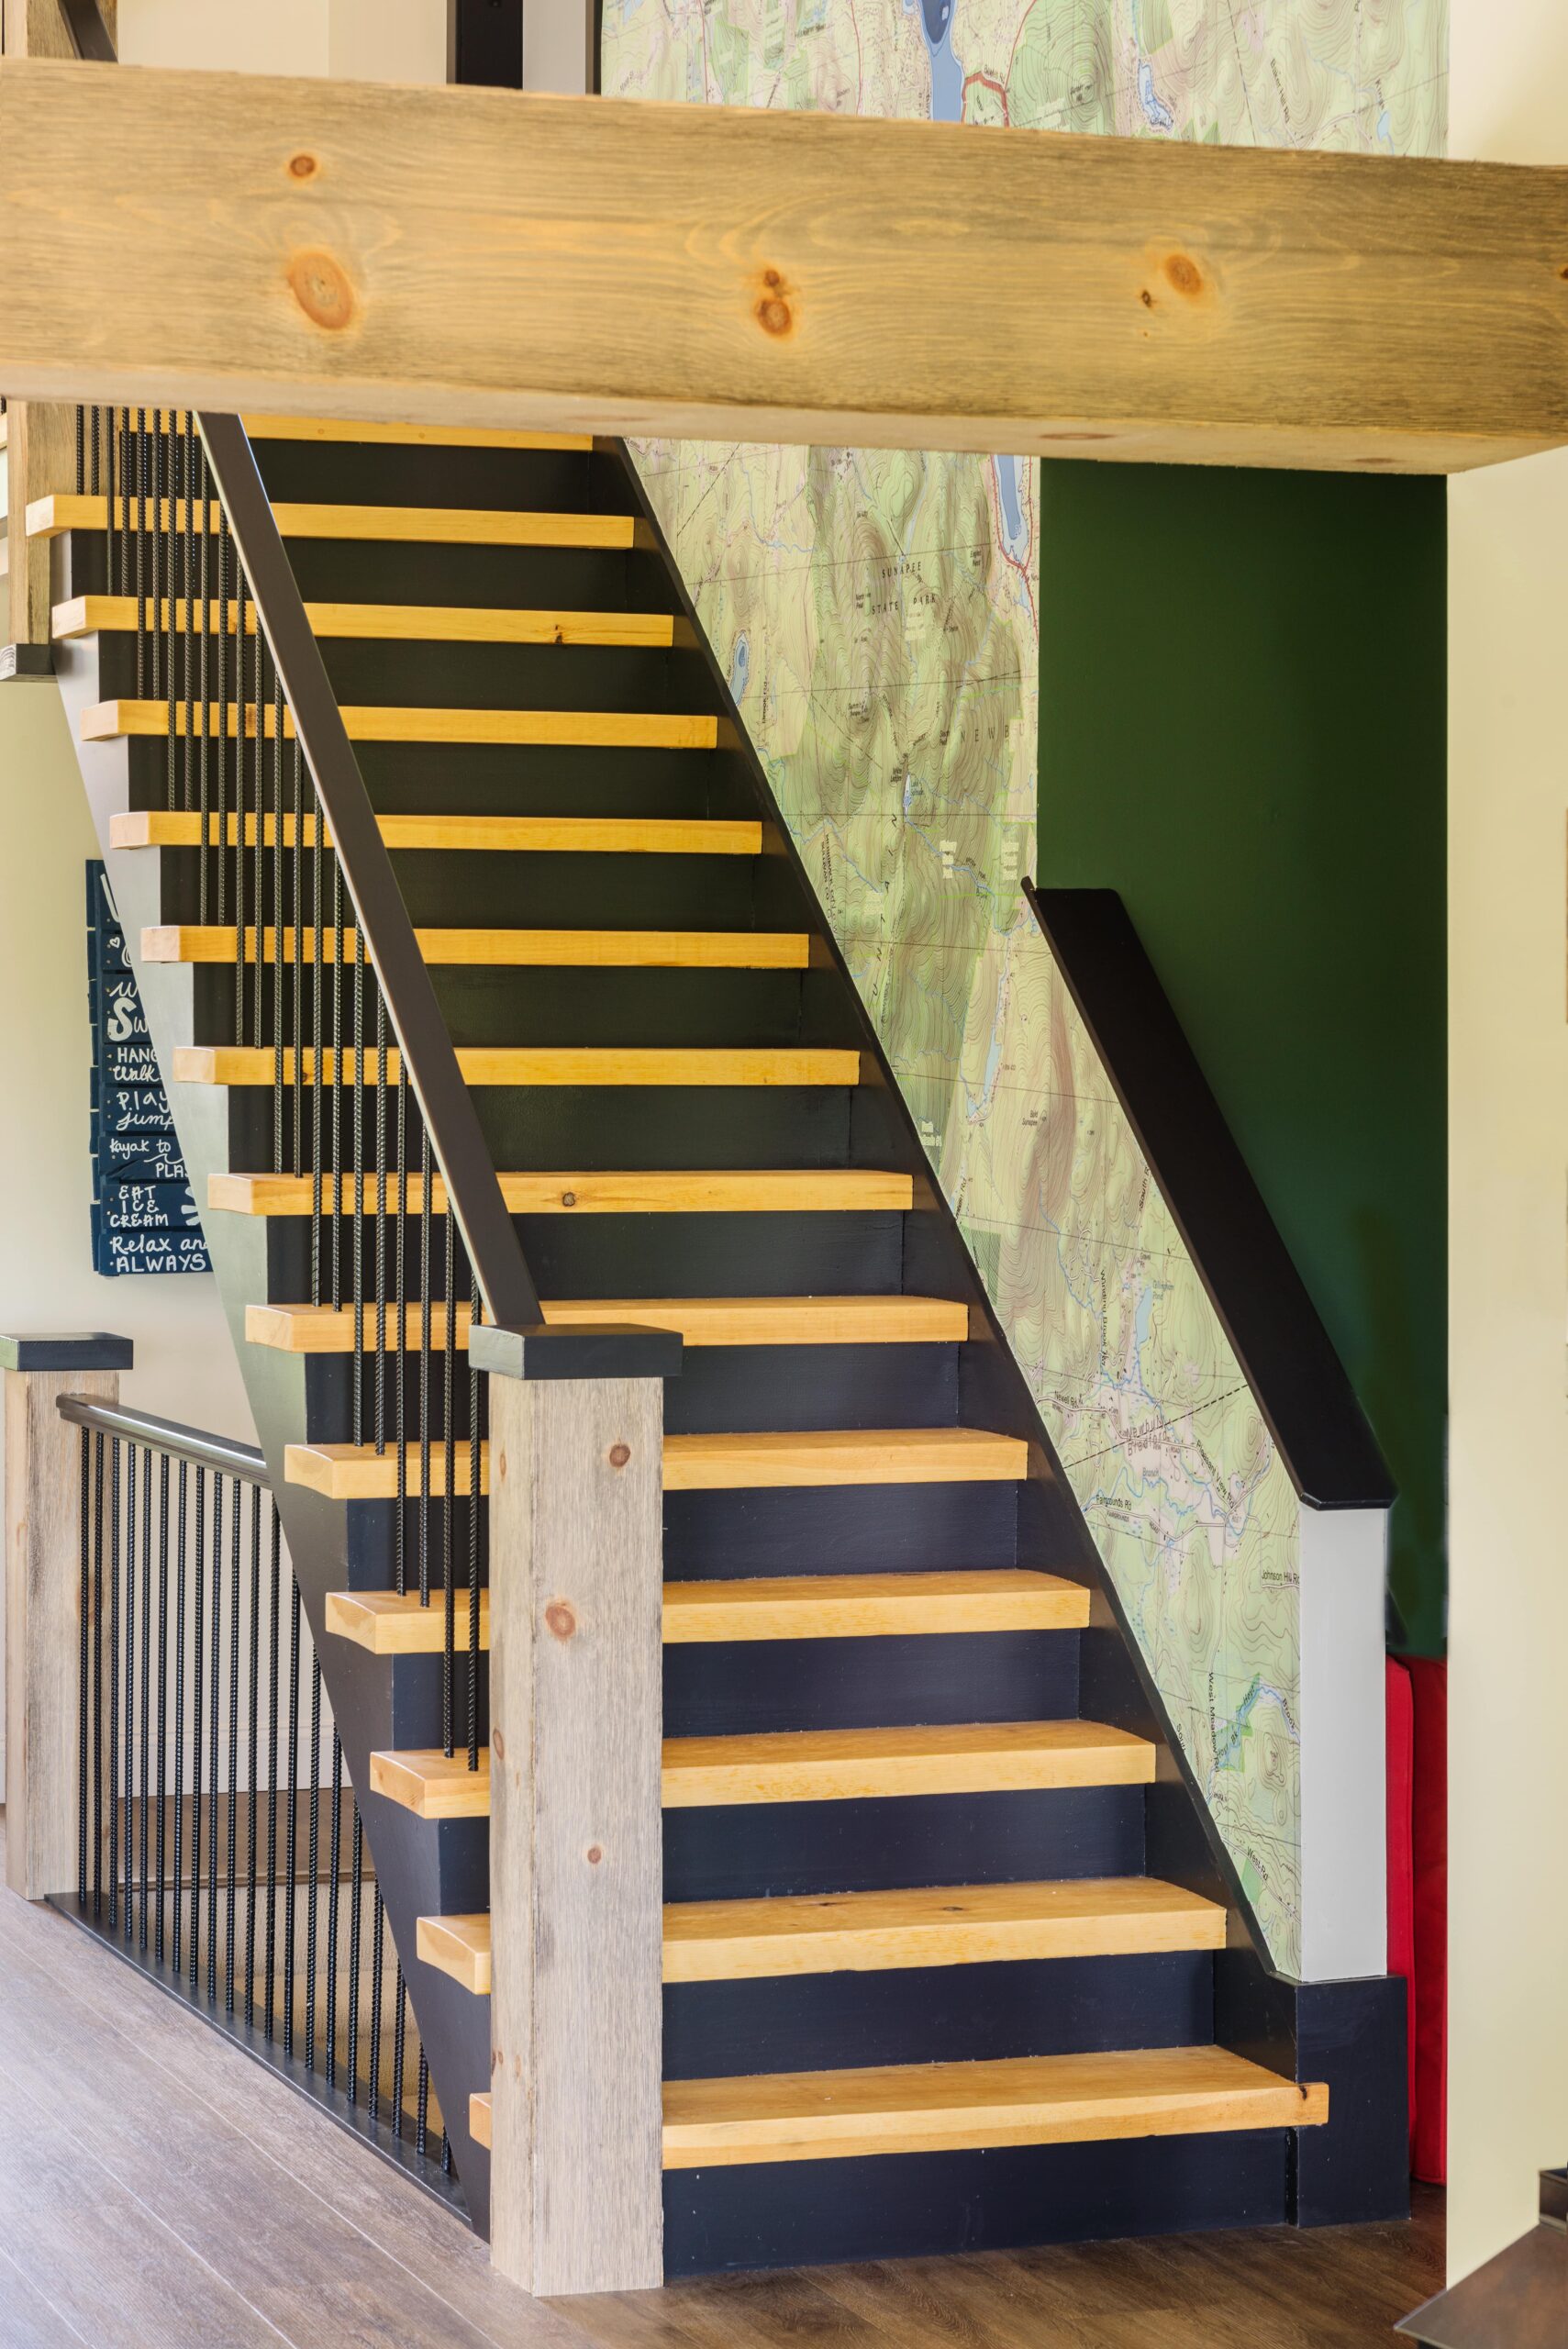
(43, 1599)
(576, 1484)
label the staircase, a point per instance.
(944, 1929)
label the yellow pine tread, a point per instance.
(701, 1321)
(730, 1941)
(359, 434)
(818, 1765)
(850, 1765)
(601, 730)
(479, 2118)
(396, 525)
(381, 623)
(391, 1623)
(650, 950)
(1025, 2100)
(829, 1606)
(458, 1946)
(805, 1607)
(692, 1191)
(540, 1064)
(481, 835)
(434, 1784)
(700, 1463)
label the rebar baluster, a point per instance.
(449, 1493)
(279, 966)
(81, 451)
(165, 610)
(162, 1826)
(128, 1880)
(378, 1956)
(114, 1683)
(176, 1946)
(243, 590)
(231, 1888)
(144, 1749)
(356, 1897)
(297, 896)
(83, 1695)
(95, 459)
(475, 1315)
(254, 1750)
(291, 1843)
(188, 654)
(399, 2043)
(337, 1102)
(422, 2104)
(140, 552)
(312, 1864)
(124, 450)
(98, 1628)
(154, 552)
(333, 1905)
(198, 1724)
(427, 1173)
(381, 1347)
(220, 751)
(400, 1275)
(274, 1592)
(204, 771)
(318, 982)
(259, 764)
(359, 1176)
(214, 1703)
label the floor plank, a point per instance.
(27, 2320)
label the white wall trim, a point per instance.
(1344, 1767)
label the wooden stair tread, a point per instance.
(604, 730)
(541, 1064)
(727, 1941)
(818, 1607)
(745, 1191)
(690, 950)
(434, 1784)
(732, 1941)
(479, 2118)
(487, 835)
(394, 1622)
(399, 525)
(458, 1946)
(347, 1471)
(1026, 2100)
(701, 1321)
(840, 1764)
(359, 434)
(813, 1607)
(387, 623)
(818, 1765)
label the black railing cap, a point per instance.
(605, 1350)
(1285, 1354)
(81, 1350)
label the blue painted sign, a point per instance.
(144, 1212)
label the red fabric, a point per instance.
(1401, 1852)
(1428, 1688)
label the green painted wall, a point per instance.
(1242, 729)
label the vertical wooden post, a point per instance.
(576, 1482)
(43, 1599)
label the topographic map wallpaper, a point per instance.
(879, 615)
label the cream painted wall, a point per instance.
(1508, 1070)
(185, 1365)
(365, 41)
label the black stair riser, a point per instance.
(721, 1688)
(336, 472)
(946, 2014)
(514, 579)
(721, 1389)
(801, 2214)
(627, 1255)
(759, 1851)
(849, 1529)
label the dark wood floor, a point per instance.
(157, 2190)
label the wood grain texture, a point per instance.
(481, 2117)
(602, 729)
(472, 835)
(642, 950)
(404, 436)
(382, 623)
(727, 1941)
(458, 1946)
(540, 1064)
(465, 526)
(747, 1191)
(575, 1840)
(837, 1765)
(431, 1784)
(43, 1625)
(700, 1463)
(849, 1607)
(701, 1321)
(1032, 2100)
(712, 272)
(391, 1622)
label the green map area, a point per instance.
(878, 613)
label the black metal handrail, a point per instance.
(1287, 1355)
(224, 1454)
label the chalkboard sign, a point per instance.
(144, 1212)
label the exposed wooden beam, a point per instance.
(474, 257)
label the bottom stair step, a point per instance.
(946, 2107)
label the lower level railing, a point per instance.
(219, 1846)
